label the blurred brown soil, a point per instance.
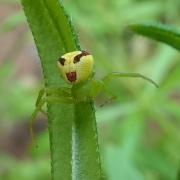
(15, 49)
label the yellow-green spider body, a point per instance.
(76, 66)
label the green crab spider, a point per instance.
(76, 68)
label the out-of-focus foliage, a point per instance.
(160, 32)
(139, 131)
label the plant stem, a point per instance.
(49, 39)
(87, 158)
(54, 36)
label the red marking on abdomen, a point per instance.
(71, 76)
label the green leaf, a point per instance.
(86, 149)
(159, 32)
(52, 40)
(54, 36)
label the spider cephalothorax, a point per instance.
(76, 66)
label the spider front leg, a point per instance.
(50, 95)
(100, 85)
(39, 98)
(56, 92)
(117, 75)
(39, 104)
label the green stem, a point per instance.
(87, 158)
(86, 148)
(54, 36)
(51, 29)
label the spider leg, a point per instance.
(47, 95)
(116, 75)
(44, 92)
(107, 101)
(39, 105)
(96, 87)
(61, 91)
(40, 95)
(51, 91)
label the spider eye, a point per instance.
(78, 57)
(61, 60)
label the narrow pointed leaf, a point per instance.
(117, 75)
(53, 36)
(159, 32)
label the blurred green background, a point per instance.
(138, 132)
